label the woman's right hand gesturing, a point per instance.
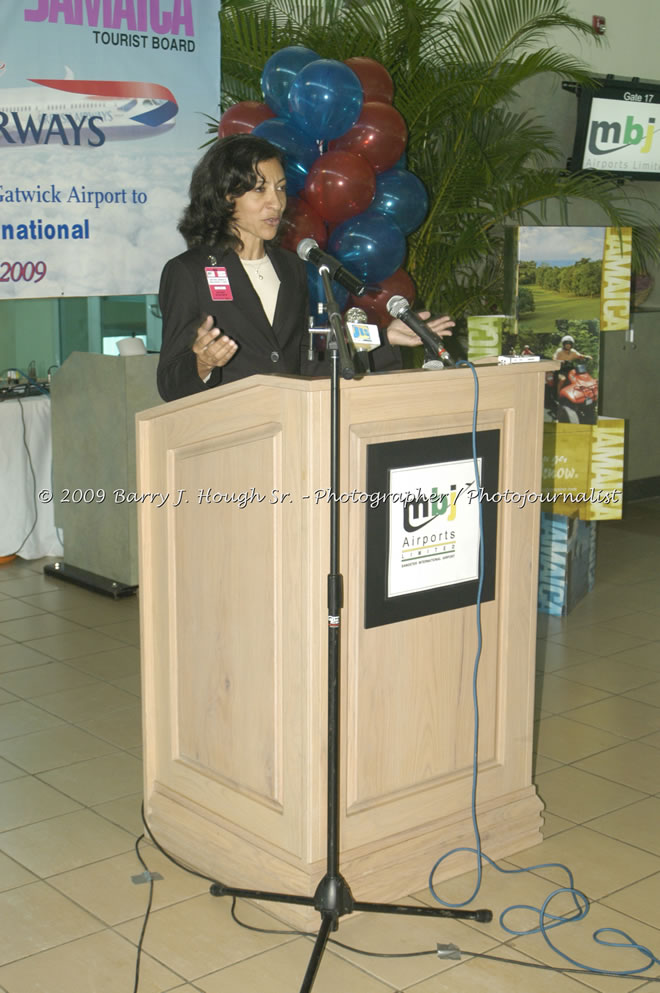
(212, 348)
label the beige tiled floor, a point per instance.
(70, 795)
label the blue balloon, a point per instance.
(299, 149)
(325, 99)
(319, 314)
(401, 196)
(280, 72)
(370, 244)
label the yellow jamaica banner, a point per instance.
(583, 469)
(615, 284)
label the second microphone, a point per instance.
(399, 307)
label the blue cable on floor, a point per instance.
(547, 920)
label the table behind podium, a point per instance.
(27, 523)
(95, 399)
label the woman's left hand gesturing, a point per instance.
(399, 333)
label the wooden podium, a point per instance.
(233, 576)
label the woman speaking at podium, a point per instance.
(235, 303)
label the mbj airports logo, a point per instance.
(418, 513)
(606, 137)
(620, 139)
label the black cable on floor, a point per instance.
(404, 955)
(292, 932)
(146, 915)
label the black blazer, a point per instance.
(185, 300)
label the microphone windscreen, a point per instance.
(356, 315)
(305, 247)
(396, 306)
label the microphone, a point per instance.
(309, 251)
(399, 307)
(355, 315)
(365, 336)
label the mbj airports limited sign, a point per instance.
(622, 137)
(434, 536)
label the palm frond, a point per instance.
(490, 32)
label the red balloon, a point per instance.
(340, 185)
(301, 221)
(375, 304)
(375, 79)
(379, 135)
(242, 118)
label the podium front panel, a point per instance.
(234, 640)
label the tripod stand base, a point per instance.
(333, 898)
(483, 916)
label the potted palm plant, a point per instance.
(457, 67)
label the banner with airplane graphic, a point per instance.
(103, 112)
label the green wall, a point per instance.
(28, 333)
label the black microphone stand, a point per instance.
(333, 898)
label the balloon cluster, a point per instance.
(344, 146)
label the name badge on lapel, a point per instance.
(218, 280)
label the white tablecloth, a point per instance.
(27, 523)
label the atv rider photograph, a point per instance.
(567, 352)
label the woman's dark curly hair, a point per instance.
(227, 171)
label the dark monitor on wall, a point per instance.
(618, 128)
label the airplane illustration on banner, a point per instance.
(86, 112)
